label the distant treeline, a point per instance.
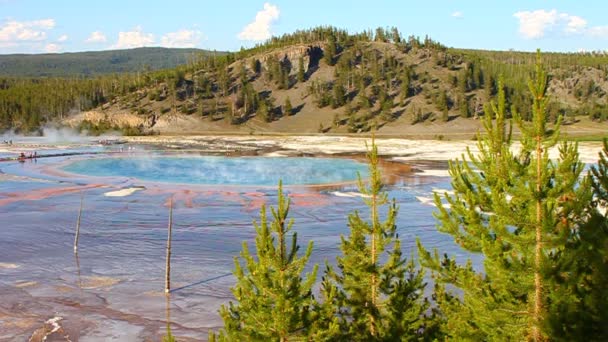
(95, 63)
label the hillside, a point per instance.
(325, 80)
(86, 64)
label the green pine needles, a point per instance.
(519, 210)
(578, 300)
(274, 300)
(377, 295)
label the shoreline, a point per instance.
(398, 149)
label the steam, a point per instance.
(56, 135)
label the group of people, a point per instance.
(31, 155)
(8, 142)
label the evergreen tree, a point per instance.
(387, 109)
(442, 105)
(488, 87)
(445, 117)
(600, 173)
(283, 77)
(377, 293)
(509, 208)
(339, 95)
(405, 85)
(301, 73)
(577, 309)
(287, 109)
(395, 35)
(380, 35)
(463, 81)
(331, 48)
(264, 112)
(274, 302)
(256, 66)
(463, 106)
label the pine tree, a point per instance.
(331, 48)
(256, 66)
(463, 106)
(377, 293)
(445, 117)
(600, 173)
(511, 209)
(339, 95)
(274, 302)
(488, 88)
(405, 86)
(287, 108)
(577, 310)
(301, 73)
(264, 112)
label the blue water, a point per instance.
(214, 170)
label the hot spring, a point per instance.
(219, 170)
(112, 289)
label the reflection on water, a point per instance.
(168, 337)
(77, 259)
(112, 289)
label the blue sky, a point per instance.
(37, 26)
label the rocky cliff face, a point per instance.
(308, 52)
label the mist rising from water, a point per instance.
(57, 135)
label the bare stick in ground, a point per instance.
(77, 235)
(168, 266)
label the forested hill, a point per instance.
(319, 80)
(86, 64)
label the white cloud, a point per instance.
(52, 48)
(598, 31)
(457, 14)
(62, 38)
(96, 37)
(182, 39)
(133, 39)
(535, 24)
(574, 24)
(13, 31)
(259, 29)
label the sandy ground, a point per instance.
(399, 149)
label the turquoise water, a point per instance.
(215, 170)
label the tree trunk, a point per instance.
(372, 327)
(77, 235)
(168, 257)
(536, 333)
